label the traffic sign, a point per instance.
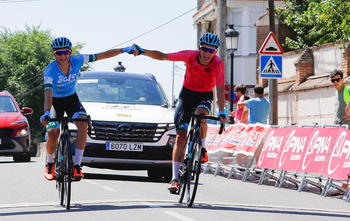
(271, 45)
(270, 66)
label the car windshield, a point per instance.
(7, 104)
(120, 90)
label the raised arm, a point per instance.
(109, 53)
(156, 55)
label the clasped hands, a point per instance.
(134, 49)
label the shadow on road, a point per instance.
(94, 176)
(134, 204)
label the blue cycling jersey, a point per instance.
(60, 84)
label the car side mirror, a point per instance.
(27, 110)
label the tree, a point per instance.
(24, 56)
(316, 22)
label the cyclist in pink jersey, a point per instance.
(204, 71)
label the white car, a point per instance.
(132, 122)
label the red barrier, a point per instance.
(234, 139)
(338, 163)
(252, 138)
(274, 142)
(293, 148)
(212, 132)
(318, 148)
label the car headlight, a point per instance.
(22, 132)
(73, 136)
(171, 140)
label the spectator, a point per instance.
(258, 107)
(342, 109)
(241, 115)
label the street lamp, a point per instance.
(231, 36)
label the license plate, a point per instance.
(123, 146)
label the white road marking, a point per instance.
(171, 213)
(151, 205)
(179, 216)
(109, 188)
(91, 182)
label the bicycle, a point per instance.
(63, 160)
(190, 167)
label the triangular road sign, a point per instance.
(271, 45)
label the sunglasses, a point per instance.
(65, 52)
(210, 50)
(335, 80)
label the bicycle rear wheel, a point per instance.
(59, 173)
(194, 169)
(68, 171)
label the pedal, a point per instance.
(76, 179)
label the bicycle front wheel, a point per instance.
(68, 171)
(59, 172)
(194, 169)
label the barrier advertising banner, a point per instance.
(293, 148)
(317, 149)
(252, 139)
(338, 162)
(212, 131)
(236, 133)
(274, 142)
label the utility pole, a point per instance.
(220, 30)
(273, 92)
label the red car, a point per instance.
(14, 129)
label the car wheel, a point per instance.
(22, 158)
(155, 173)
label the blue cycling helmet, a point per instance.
(210, 39)
(61, 42)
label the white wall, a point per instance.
(286, 107)
(328, 59)
(316, 106)
(288, 67)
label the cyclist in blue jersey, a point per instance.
(60, 79)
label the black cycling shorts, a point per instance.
(71, 105)
(188, 102)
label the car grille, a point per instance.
(6, 132)
(120, 131)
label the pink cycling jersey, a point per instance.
(200, 78)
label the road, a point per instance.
(130, 195)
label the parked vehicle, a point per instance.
(14, 129)
(132, 122)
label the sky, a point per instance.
(105, 24)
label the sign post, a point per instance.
(270, 57)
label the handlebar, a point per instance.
(201, 116)
(67, 120)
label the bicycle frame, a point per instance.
(64, 161)
(190, 168)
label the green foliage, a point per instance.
(316, 22)
(24, 56)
